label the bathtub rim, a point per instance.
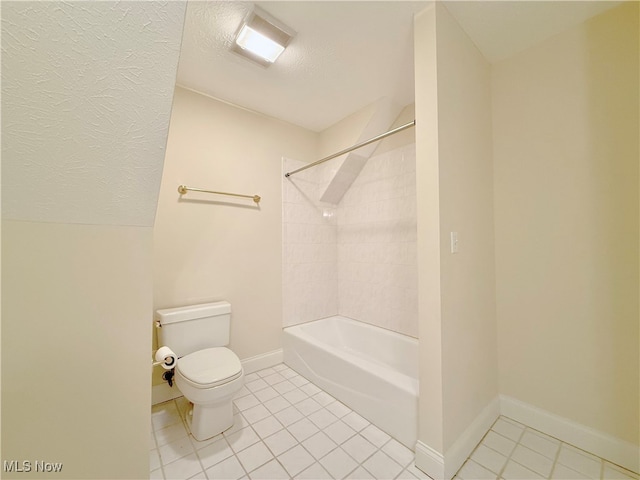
(401, 380)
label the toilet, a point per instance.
(207, 373)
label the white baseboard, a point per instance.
(437, 466)
(262, 361)
(464, 445)
(429, 461)
(164, 393)
(610, 448)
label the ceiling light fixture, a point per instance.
(261, 45)
(261, 38)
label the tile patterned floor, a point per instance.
(511, 450)
(286, 427)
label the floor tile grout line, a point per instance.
(284, 451)
(583, 452)
(493, 449)
(276, 456)
(501, 473)
(542, 477)
(246, 474)
(481, 443)
(162, 464)
(317, 460)
(561, 443)
(157, 449)
(538, 434)
(186, 427)
(623, 470)
(555, 460)
(538, 453)
(322, 406)
(509, 457)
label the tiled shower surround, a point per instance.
(357, 258)
(377, 254)
(310, 268)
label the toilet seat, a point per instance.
(210, 367)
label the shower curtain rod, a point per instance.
(355, 147)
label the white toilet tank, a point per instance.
(196, 327)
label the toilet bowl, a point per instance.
(209, 379)
(207, 373)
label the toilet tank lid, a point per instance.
(192, 312)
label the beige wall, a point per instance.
(458, 363)
(565, 196)
(79, 201)
(344, 133)
(403, 138)
(469, 349)
(565, 117)
(430, 428)
(75, 347)
(208, 247)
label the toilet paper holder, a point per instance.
(157, 325)
(165, 357)
(163, 362)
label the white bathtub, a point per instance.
(372, 370)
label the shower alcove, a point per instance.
(350, 297)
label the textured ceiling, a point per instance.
(349, 54)
(86, 101)
(345, 56)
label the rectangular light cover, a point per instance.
(257, 43)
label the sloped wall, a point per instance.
(86, 99)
